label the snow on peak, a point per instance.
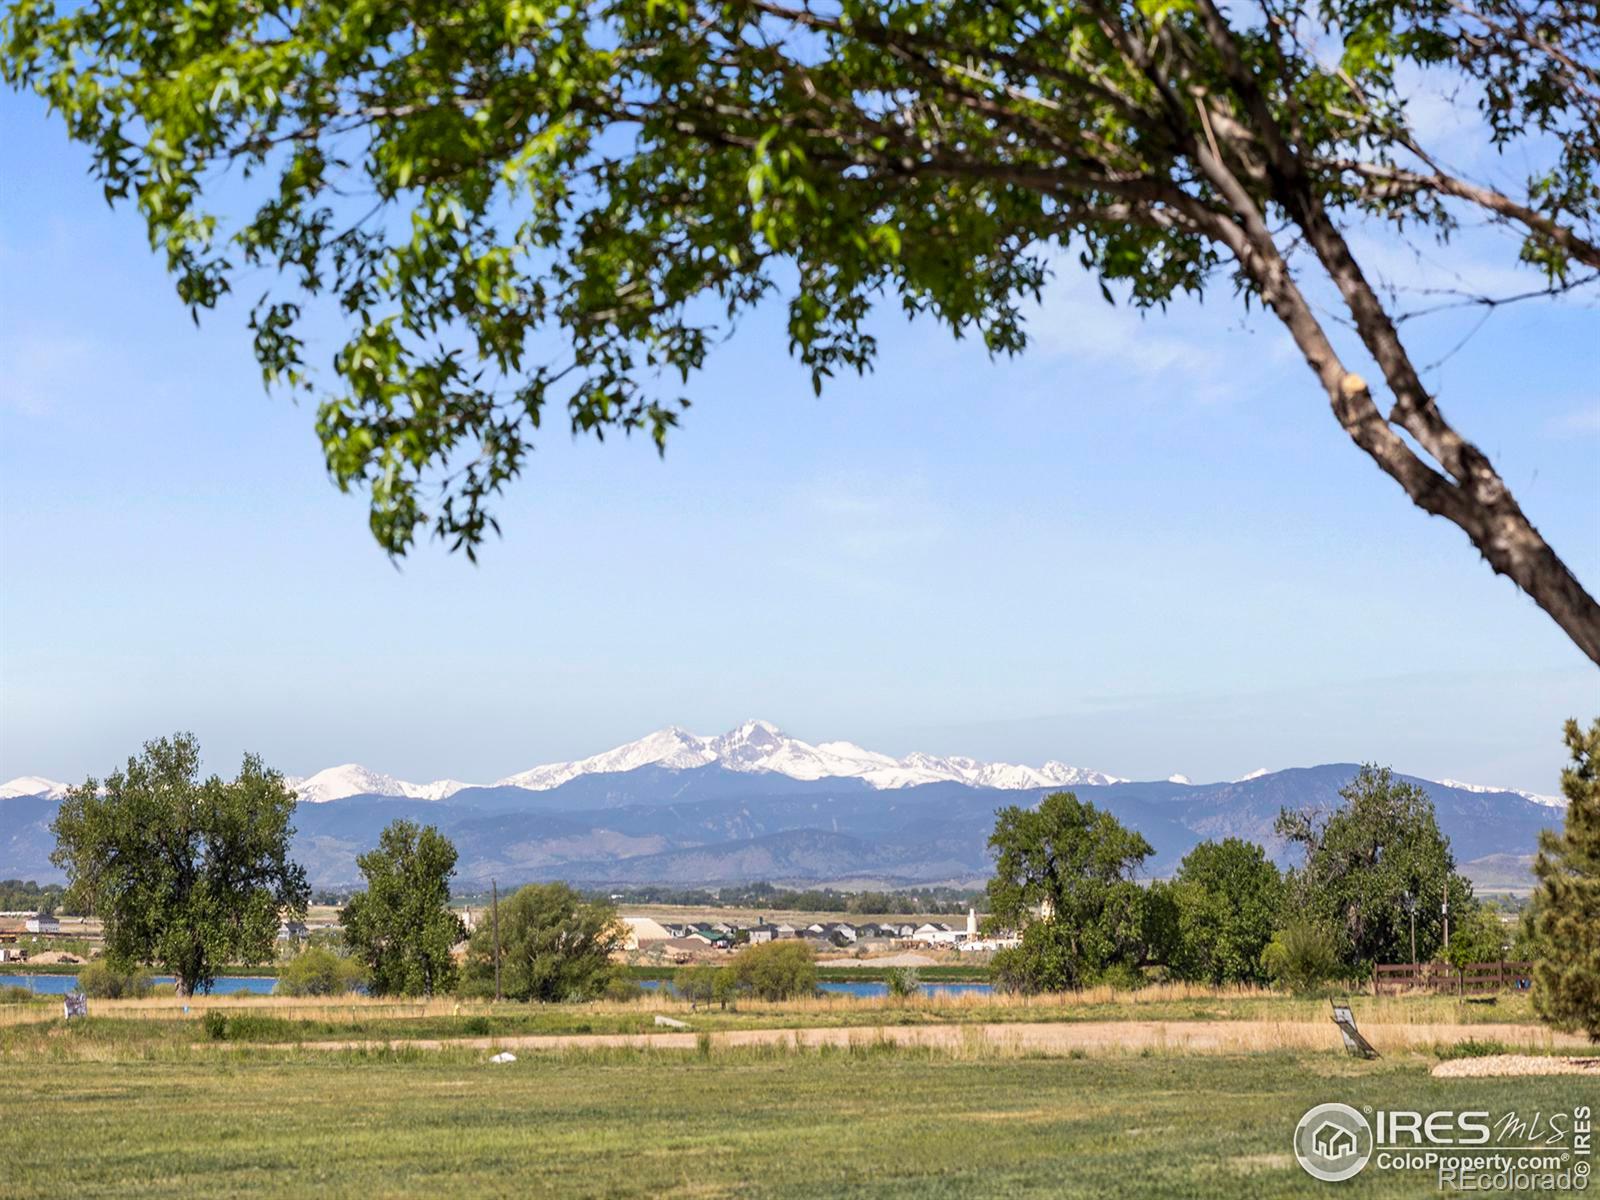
(1537, 798)
(760, 746)
(352, 779)
(32, 785)
(669, 747)
(1256, 774)
(1179, 779)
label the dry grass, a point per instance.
(1173, 1000)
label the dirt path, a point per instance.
(1061, 1037)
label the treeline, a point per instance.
(18, 895)
(1376, 884)
(822, 900)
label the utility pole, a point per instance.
(1410, 903)
(1445, 908)
(494, 902)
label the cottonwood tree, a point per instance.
(1064, 875)
(401, 928)
(1362, 861)
(187, 873)
(515, 207)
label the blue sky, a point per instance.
(1145, 547)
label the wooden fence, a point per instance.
(1475, 979)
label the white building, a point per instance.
(43, 924)
(642, 930)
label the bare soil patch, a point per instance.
(905, 958)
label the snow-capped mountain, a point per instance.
(760, 746)
(352, 779)
(754, 747)
(1547, 801)
(32, 785)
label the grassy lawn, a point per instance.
(868, 1122)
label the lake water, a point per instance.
(227, 985)
(60, 985)
(869, 988)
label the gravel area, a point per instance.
(907, 958)
(1516, 1064)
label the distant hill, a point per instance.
(710, 824)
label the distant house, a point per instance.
(782, 931)
(1003, 941)
(292, 931)
(762, 933)
(935, 933)
(43, 923)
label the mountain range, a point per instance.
(755, 804)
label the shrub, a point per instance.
(1480, 936)
(1124, 977)
(1471, 1048)
(475, 1026)
(216, 1025)
(776, 970)
(555, 946)
(903, 983)
(697, 985)
(1301, 956)
(12, 994)
(319, 972)
(725, 987)
(102, 981)
(620, 988)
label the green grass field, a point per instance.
(143, 1099)
(864, 1122)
